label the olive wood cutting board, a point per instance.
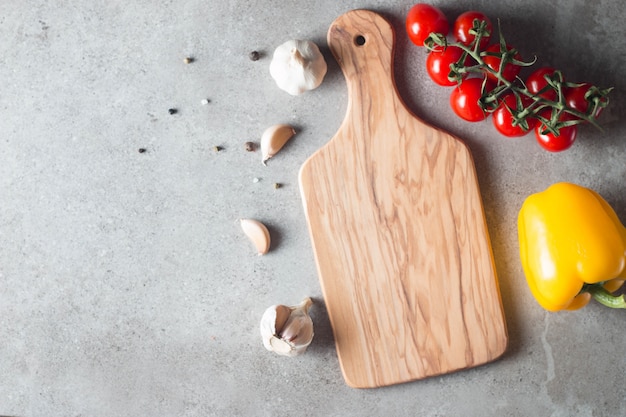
(398, 229)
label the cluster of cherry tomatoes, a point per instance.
(542, 102)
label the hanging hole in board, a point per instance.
(359, 40)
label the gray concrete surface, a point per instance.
(126, 286)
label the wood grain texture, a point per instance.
(398, 229)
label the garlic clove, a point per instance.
(296, 332)
(274, 317)
(298, 66)
(274, 138)
(280, 346)
(258, 234)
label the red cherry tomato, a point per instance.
(465, 22)
(503, 119)
(464, 100)
(537, 82)
(422, 20)
(438, 64)
(551, 142)
(510, 70)
(575, 99)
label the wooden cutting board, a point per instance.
(398, 229)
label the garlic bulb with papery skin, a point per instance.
(287, 331)
(298, 66)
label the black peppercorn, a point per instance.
(254, 55)
(172, 111)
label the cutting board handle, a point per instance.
(362, 42)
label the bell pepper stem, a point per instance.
(601, 295)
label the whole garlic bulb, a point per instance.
(287, 331)
(298, 66)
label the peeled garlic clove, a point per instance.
(274, 138)
(294, 335)
(257, 233)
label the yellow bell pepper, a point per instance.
(572, 248)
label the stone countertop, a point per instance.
(126, 285)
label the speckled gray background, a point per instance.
(126, 286)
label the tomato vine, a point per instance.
(553, 104)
